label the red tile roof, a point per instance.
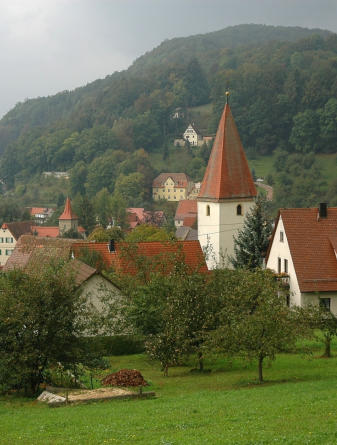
(190, 221)
(312, 242)
(29, 246)
(30, 251)
(186, 207)
(138, 215)
(227, 174)
(126, 255)
(44, 231)
(68, 211)
(180, 179)
(37, 210)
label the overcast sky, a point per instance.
(48, 46)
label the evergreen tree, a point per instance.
(251, 242)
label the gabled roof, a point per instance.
(193, 126)
(186, 207)
(227, 174)
(30, 251)
(186, 233)
(125, 256)
(82, 271)
(18, 228)
(179, 179)
(68, 211)
(312, 243)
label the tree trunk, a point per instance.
(165, 369)
(201, 361)
(327, 344)
(261, 368)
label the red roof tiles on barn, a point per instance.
(227, 174)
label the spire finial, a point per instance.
(227, 97)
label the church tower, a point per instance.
(226, 194)
(68, 220)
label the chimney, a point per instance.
(111, 245)
(323, 210)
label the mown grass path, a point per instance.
(297, 405)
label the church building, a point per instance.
(226, 195)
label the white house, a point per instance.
(303, 249)
(192, 135)
(9, 234)
(226, 194)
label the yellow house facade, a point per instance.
(171, 187)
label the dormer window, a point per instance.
(239, 210)
(208, 210)
(281, 236)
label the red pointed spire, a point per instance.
(68, 211)
(227, 174)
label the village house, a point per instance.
(40, 214)
(171, 186)
(9, 235)
(192, 135)
(186, 213)
(227, 193)
(31, 252)
(138, 215)
(303, 252)
(11, 232)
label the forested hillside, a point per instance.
(283, 84)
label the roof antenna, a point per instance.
(227, 97)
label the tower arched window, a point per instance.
(239, 209)
(208, 210)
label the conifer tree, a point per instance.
(251, 242)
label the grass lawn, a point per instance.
(296, 405)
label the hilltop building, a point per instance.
(40, 214)
(172, 186)
(226, 194)
(192, 135)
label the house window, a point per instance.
(9, 240)
(286, 266)
(9, 252)
(1, 240)
(279, 265)
(0, 251)
(325, 303)
(208, 210)
(239, 210)
(281, 236)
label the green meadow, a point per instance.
(296, 405)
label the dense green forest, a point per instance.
(117, 133)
